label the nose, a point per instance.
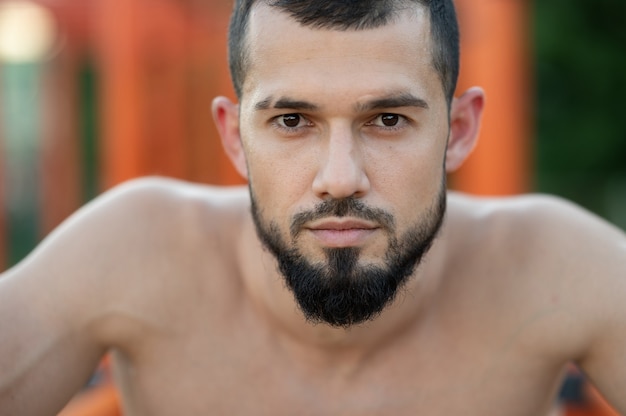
(341, 173)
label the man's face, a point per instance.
(345, 137)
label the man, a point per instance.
(347, 281)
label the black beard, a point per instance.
(341, 292)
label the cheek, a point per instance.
(410, 181)
(278, 177)
(278, 183)
(280, 167)
(415, 168)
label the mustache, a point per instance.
(346, 207)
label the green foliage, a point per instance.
(581, 126)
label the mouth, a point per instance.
(337, 233)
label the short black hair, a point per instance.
(353, 15)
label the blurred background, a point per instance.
(580, 135)
(96, 92)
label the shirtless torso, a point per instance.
(172, 278)
(196, 327)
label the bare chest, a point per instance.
(244, 372)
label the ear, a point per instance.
(465, 118)
(226, 117)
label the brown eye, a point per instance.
(291, 120)
(390, 120)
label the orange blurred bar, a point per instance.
(163, 40)
(99, 401)
(210, 78)
(161, 63)
(116, 26)
(496, 55)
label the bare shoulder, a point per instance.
(156, 209)
(118, 272)
(552, 259)
(124, 256)
(548, 236)
(166, 196)
(540, 222)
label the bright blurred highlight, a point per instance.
(27, 32)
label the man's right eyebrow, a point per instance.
(285, 103)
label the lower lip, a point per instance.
(342, 238)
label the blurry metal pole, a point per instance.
(210, 77)
(118, 60)
(496, 38)
(164, 32)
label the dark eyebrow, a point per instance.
(285, 103)
(393, 101)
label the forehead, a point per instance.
(285, 57)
